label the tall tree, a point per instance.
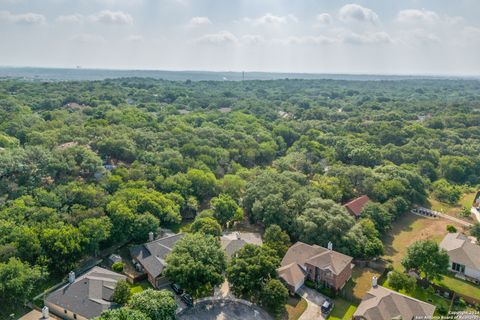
(428, 258)
(156, 305)
(196, 263)
(277, 239)
(18, 281)
(122, 293)
(250, 269)
(225, 209)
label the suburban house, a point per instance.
(85, 297)
(233, 241)
(382, 303)
(464, 255)
(324, 266)
(355, 207)
(150, 257)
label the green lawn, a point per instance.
(343, 310)
(466, 200)
(408, 229)
(140, 286)
(459, 285)
(361, 281)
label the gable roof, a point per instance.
(382, 303)
(355, 206)
(89, 295)
(301, 253)
(234, 241)
(151, 255)
(462, 250)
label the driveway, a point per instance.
(314, 301)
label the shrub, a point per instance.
(310, 284)
(451, 228)
(118, 266)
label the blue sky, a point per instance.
(318, 36)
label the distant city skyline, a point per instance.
(417, 37)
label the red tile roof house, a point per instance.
(324, 266)
(355, 207)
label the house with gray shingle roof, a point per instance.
(151, 256)
(85, 297)
(382, 303)
(324, 266)
(464, 254)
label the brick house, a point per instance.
(324, 266)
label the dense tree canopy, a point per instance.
(86, 165)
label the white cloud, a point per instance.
(71, 18)
(199, 21)
(415, 16)
(313, 40)
(270, 19)
(112, 17)
(222, 37)
(252, 39)
(366, 38)
(356, 13)
(88, 38)
(324, 18)
(23, 18)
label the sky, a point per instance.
(433, 37)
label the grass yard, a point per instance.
(459, 285)
(343, 310)
(361, 281)
(294, 308)
(466, 200)
(408, 229)
(140, 286)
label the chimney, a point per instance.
(374, 282)
(71, 277)
(45, 312)
(330, 245)
(150, 236)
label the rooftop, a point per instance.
(461, 249)
(382, 303)
(89, 295)
(355, 206)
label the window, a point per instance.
(458, 267)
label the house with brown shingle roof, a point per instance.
(324, 266)
(355, 207)
(464, 254)
(382, 303)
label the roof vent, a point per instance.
(45, 312)
(150, 236)
(374, 282)
(71, 277)
(330, 245)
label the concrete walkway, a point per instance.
(442, 215)
(314, 301)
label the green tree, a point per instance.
(63, 245)
(379, 215)
(122, 314)
(274, 296)
(196, 263)
(475, 231)
(204, 183)
(122, 293)
(18, 281)
(250, 268)
(426, 257)
(94, 231)
(206, 225)
(399, 281)
(277, 239)
(156, 305)
(225, 209)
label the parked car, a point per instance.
(187, 299)
(327, 307)
(176, 288)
